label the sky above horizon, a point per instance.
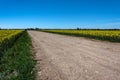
(60, 14)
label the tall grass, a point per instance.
(17, 63)
(8, 37)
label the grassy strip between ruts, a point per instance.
(17, 62)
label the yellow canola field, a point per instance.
(7, 38)
(111, 35)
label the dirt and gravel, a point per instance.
(62, 57)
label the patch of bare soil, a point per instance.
(73, 58)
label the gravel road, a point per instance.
(62, 57)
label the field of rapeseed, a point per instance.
(109, 35)
(7, 38)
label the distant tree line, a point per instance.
(33, 29)
(95, 29)
(59, 29)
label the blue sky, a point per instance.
(60, 13)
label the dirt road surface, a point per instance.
(62, 57)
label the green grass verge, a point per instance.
(8, 42)
(17, 63)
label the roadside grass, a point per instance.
(8, 38)
(17, 63)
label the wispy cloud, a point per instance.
(111, 25)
